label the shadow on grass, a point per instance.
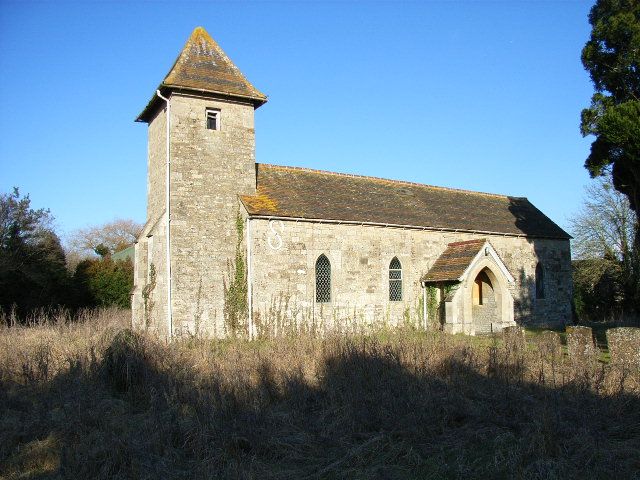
(365, 414)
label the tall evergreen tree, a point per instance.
(612, 58)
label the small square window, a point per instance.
(213, 119)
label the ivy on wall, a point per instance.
(435, 307)
(147, 295)
(235, 287)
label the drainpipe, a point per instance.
(249, 280)
(168, 229)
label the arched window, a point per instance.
(539, 281)
(323, 279)
(395, 280)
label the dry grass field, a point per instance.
(92, 400)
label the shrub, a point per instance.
(104, 283)
(124, 362)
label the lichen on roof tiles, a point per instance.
(203, 66)
(261, 201)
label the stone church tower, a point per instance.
(201, 139)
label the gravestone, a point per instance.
(549, 344)
(624, 346)
(513, 337)
(580, 342)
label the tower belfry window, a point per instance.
(213, 119)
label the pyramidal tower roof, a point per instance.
(203, 66)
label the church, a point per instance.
(235, 247)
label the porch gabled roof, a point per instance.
(454, 261)
(459, 257)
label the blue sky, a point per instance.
(477, 95)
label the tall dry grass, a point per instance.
(94, 400)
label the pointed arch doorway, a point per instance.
(485, 301)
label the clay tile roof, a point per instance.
(204, 67)
(312, 194)
(452, 263)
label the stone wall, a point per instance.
(149, 305)
(149, 299)
(156, 165)
(284, 256)
(209, 169)
(555, 256)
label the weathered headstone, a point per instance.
(624, 346)
(513, 338)
(580, 342)
(583, 355)
(549, 344)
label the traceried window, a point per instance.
(395, 280)
(213, 119)
(323, 280)
(539, 281)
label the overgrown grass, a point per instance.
(92, 400)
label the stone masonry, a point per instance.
(209, 169)
(360, 257)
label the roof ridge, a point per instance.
(380, 179)
(467, 242)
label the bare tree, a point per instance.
(114, 235)
(606, 224)
(607, 266)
